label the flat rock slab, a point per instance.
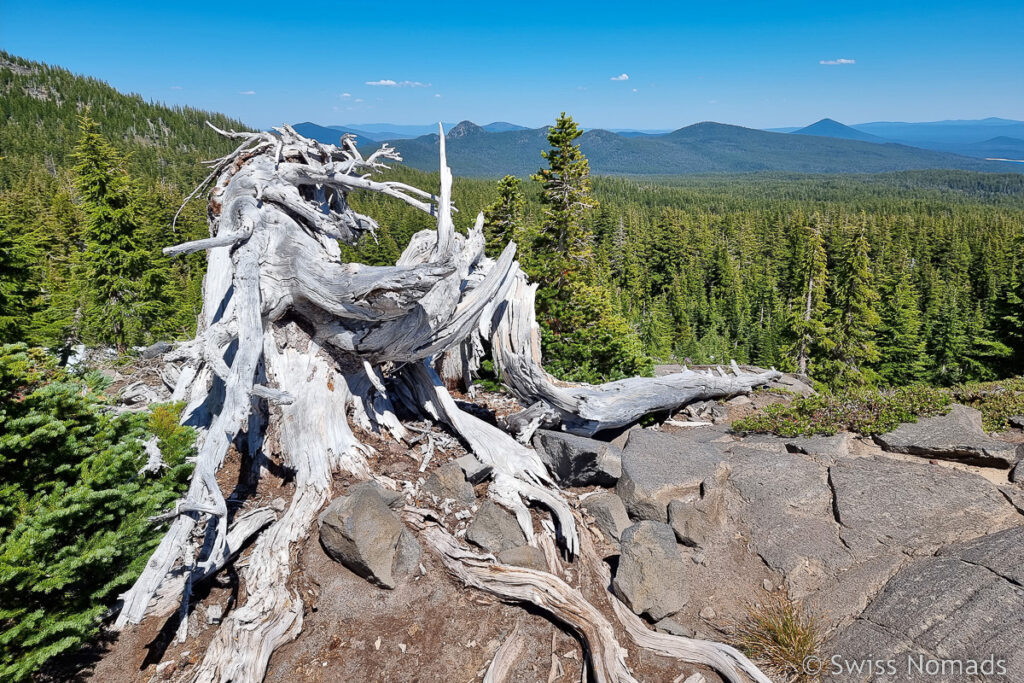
(956, 436)
(578, 461)
(524, 556)
(651, 576)
(658, 467)
(964, 605)
(834, 446)
(913, 509)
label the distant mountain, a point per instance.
(1001, 147)
(700, 148)
(830, 128)
(635, 133)
(332, 134)
(502, 127)
(393, 131)
(967, 137)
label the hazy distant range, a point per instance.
(827, 146)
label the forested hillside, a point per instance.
(74, 152)
(923, 271)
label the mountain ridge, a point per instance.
(704, 147)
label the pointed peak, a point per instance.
(464, 128)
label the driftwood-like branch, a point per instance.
(605, 657)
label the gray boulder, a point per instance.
(578, 461)
(956, 436)
(495, 529)
(609, 513)
(658, 467)
(361, 532)
(695, 521)
(448, 482)
(524, 556)
(651, 576)
(964, 604)
(674, 628)
(1016, 421)
(156, 350)
(393, 499)
(474, 470)
(1017, 473)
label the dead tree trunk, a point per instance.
(293, 343)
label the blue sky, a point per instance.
(753, 64)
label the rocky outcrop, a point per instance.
(361, 532)
(578, 461)
(956, 436)
(651, 574)
(955, 616)
(835, 445)
(494, 529)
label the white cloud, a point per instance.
(389, 83)
(634, 90)
(620, 77)
(176, 87)
(359, 99)
(346, 94)
(247, 92)
(836, 62)
(437, 94)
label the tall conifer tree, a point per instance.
(809, 308)
(503, 219)
(856, 316)
(584, 336)
(116, 313)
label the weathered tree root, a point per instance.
(606, 658)
(292, 343)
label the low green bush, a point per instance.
(863, 411)
(74, 508)
(875, 411)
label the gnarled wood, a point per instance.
(293, 342)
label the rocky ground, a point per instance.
(909, 547)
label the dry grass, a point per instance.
(779, 634)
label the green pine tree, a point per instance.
(17, 282)
(117, 311)
(74, 506)
(901, 343)
(503, 219)
(855, 318)
(584, 337)
(809, 309)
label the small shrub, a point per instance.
(864, 411)
(997, 401)
(780, 635)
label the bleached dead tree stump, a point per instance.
(293, 343)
